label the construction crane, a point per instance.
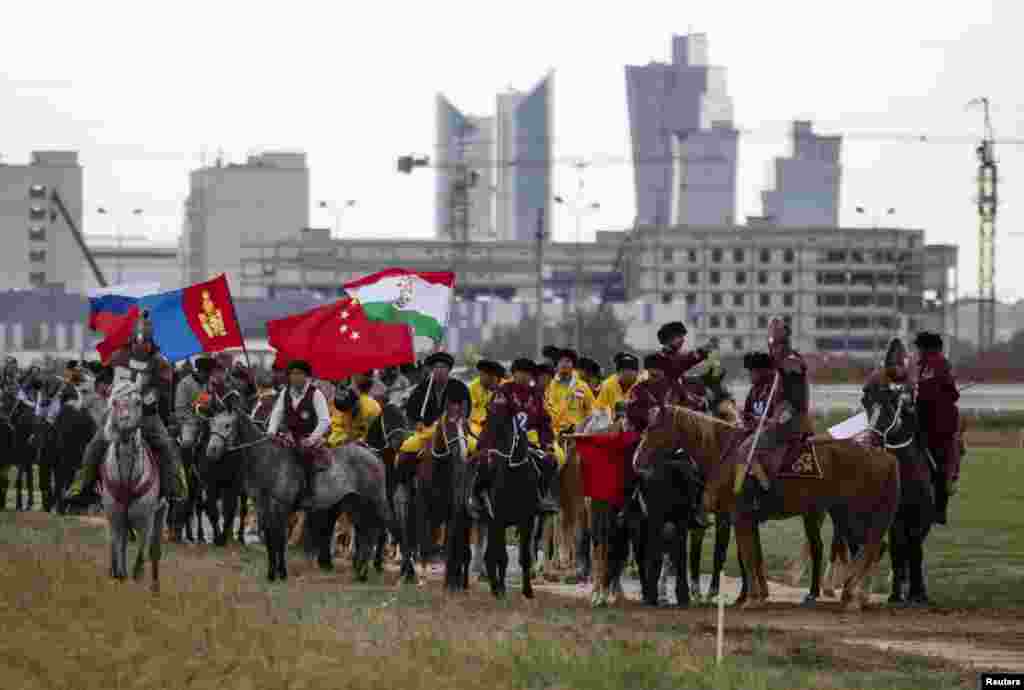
(58, 206)
(988, 203)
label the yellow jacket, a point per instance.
(480, 399)
(568, 404)
(611, 394)
(345, 429)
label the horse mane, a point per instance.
(701, 429)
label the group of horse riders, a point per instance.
(551, 400)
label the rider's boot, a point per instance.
(548, 502)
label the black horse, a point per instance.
(893, 422)
(23, 453)
(444, 497)
(72, 430)
(385, 436)
(511, 477)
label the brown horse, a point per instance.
(860, 483)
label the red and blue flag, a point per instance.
(110, 308)
(198, 318)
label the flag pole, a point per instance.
(238, 325)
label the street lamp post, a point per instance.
(337, 212)
(579, 208)
(120, 240)
(875, 218)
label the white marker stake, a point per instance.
(721, 627)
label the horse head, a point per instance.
(891, 414)
(223, 418)
(125, 409)
(670, 428)
(390, 430)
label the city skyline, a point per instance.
(915, 79)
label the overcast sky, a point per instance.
(143, 89)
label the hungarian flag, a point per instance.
(605, 460)
(397, 295)
(338, 340)
(199, 318)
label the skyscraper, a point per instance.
(511, 156)
(684, 143)
(806, 185)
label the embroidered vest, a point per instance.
(301, 420)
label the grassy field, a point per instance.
(218, 625)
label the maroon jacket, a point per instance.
(937, 396)
(525, 399)
(757, 400)
(643, 397)
(678, 364)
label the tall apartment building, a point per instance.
(684, 143)
(37, 247)
(806, 184)
(264, 199)
(511, 156)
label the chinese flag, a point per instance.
(338, 340)
(606, 458)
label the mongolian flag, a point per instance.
(199, 318)
(605, 461)
(338, 340)
(110, 307)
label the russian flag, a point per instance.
(111, 307)
(199, 318)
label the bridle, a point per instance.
(529, 456)
(895, 424)
(460, 439)
(386, 434)
(226, 440)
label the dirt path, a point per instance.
(984, 640)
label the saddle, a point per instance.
(124, 491)
(800, 460)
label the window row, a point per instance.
(736, 299)
(862, 278)
(715, 277)
(858, 256)
(835, 322)
(739, 256)
(729, 321)
(842, 299)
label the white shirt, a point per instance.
(323, 422)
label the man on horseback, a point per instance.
(140, 363)
(429, 400)
(937, 396)
(612, 395)
(569, 400)
(590, 372)
(481, 391)
(672, 337)
(353, 414)
(762, 373)
(190, 388)
(786, 419)
(302, 409)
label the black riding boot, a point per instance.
(305, 497)
(548, 502)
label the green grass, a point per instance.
(976, 561)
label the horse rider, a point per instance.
(429, 400)
(762, 372)
(672, 337)
(395, 383)
(543, 374)
(939, 417)
(301, 419)
(141, 363)
(351, 417)
(786, 420)
(591, 372)
(481, 390)
(611, 396)
(186, 396)
(266, 396)
(569, 399)
(9, 376)
(551, 354)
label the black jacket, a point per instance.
(454, 390)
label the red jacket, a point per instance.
(525, 399)
(643, 397)
(757, 400)
(937, 396)
(678, 364)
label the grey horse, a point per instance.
(354, 484)
(130, 487)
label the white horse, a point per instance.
(130, 487)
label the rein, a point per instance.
(892, 426)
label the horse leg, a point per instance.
(915, 560)
(497, 558)
(243, 515)
(677, 553)
(898, 558)
(403, 518)
(155, 547)
(599, 540)
(655, 550)
(214, 497)
(812, 532)
(723, 534)
(745, 543)
(230, 500)
(696, 550)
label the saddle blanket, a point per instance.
(801, 462)
(604, 461)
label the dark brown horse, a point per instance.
(859, 483)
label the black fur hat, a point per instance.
(489, 366)
(624, 360)
(926, 340)
(757, 360)
(671, 330)
(525, 365)
(300, 365)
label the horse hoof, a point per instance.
(809, 601)
(528, 593)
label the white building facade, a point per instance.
(263, 200)
(37, 247)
